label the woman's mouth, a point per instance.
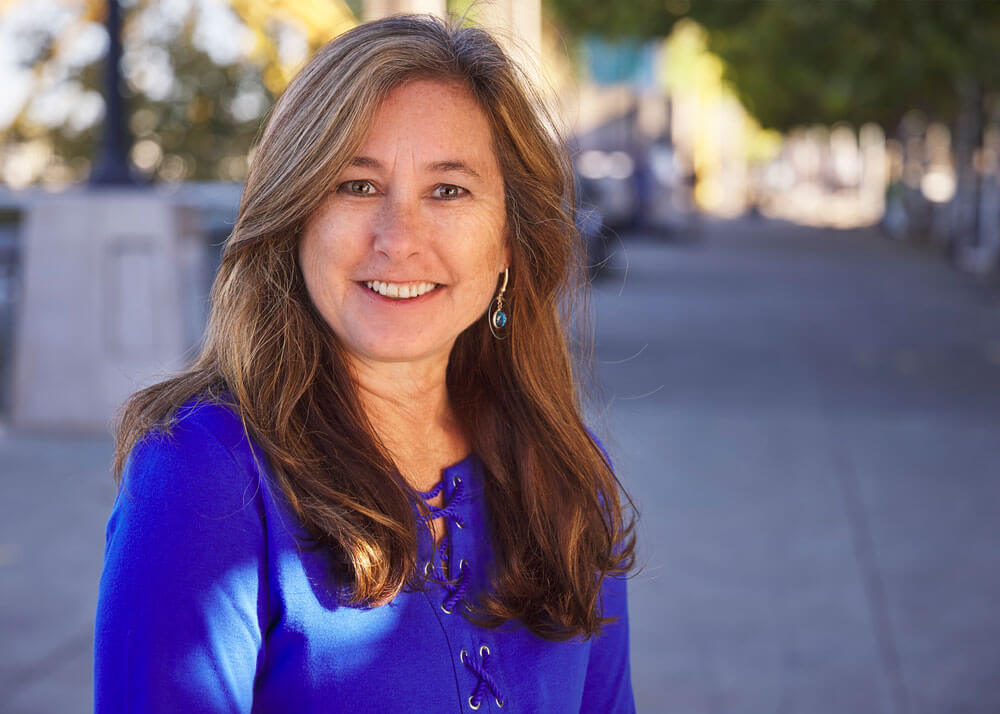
(400, 291)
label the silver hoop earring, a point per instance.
(497, 317)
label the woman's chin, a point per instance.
(399, 349)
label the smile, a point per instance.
(400, 291)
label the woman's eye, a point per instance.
(358, 188)
(446, 190)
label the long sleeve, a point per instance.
(608, 689)
(183, 594)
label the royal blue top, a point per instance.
(208, 603)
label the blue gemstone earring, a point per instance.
(497, 316)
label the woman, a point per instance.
(373, 491)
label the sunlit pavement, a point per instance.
(808, 421)
(810, 424)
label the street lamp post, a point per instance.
(112, 167)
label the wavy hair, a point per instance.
(555, 507)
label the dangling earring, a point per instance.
(497, 316)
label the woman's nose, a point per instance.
(398, 228)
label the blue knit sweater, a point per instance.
(208, 603)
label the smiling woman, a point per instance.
(374, 490)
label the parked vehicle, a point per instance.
(607, 180)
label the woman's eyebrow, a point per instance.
(365, 162)
(455, 165)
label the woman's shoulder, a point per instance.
(199, 423)
(201, 456)
(215, 418)
(183, 594)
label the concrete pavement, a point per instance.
(55, 496)
(808, 421)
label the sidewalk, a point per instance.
(55, 497)
(810, 423)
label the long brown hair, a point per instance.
(554, 504)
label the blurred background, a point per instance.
(792, 213)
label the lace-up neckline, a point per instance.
(455, 578)
(446, 510)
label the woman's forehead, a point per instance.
(437, 125)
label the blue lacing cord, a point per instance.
(427, 495)
(485, 681)
(449, 510)
(457, 591)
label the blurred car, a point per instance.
(607, 180)
(649, 192)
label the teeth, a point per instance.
(400, 291)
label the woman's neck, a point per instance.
(408, 406)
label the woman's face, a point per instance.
(405, 251)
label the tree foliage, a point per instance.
(197, 82)
(796, 62)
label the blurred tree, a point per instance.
(199, 77)
(634, 19)
(794, 62)
(800, 62)
(797, 62)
